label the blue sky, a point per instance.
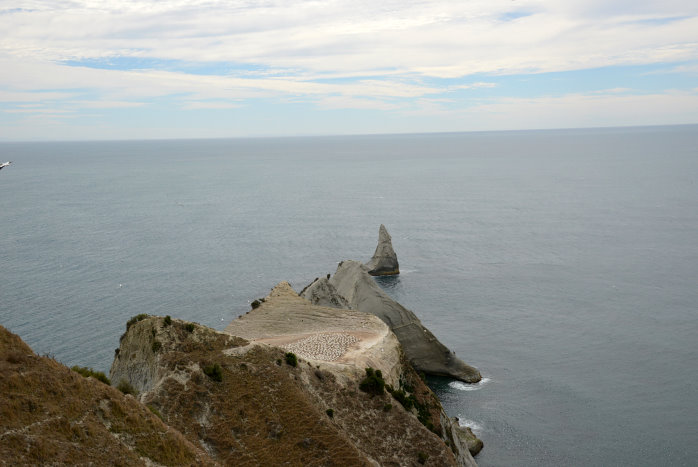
(125, 69)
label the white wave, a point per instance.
(407, 271)
(467, 386)
(473, 425)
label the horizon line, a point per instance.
(347, 135)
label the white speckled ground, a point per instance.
(323, 346)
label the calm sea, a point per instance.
(563, 264)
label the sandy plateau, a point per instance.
(345, 340)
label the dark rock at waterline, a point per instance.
(384, 261)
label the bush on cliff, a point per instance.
(373, 383)
(135, 319)
(126, 388)
(291, 359)
(215, 372)
(87, 372)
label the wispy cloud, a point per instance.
(392, 56)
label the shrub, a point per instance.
(402, 398)
(291, 359)
(387, 407)
(135, 319)
(373, 383)
(156, 346)
(89, 372)
(167, 320)
(215, 372)
(155, 411)
(255, 304)
(278, 361)
(422, 457)
(125, 387)
(330, 413)
(189, 327)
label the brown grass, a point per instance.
(50, 414)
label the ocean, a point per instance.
(563, 264)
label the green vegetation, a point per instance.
(167, 320)
(215, 372)
(189, 327)
(330, 413)
(87, 372)
(400, 396)
(373, 383)
(155, 411)
(125, 387)
(255, 304)
(135, 319)
(291, 359)
(422, 457)
(409, 401)
(156, 346)
(387, 407)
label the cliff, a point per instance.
(242, 401)
(352, 282)
(50, 414)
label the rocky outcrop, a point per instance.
(384, 261)
(423, 349)
(244, 403)
(345, 341)
(322, 293)
(51, 415)
(467, 436)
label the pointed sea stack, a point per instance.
(384, 261)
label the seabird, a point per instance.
(2, 166)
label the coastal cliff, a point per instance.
(326, 378)
(244, 401)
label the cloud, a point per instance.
(397, 56)
(596, 109)
(437, 39)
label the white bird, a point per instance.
(2, 166)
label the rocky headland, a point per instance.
(326, 378)
(353, 287)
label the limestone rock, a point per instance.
(345, 341)
(322, 293)
(466, 435)
(384, 261)
(259, 410)
(423, 349)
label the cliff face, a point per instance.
(50, 414)
(423, 349)
(257, 409)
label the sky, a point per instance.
(142, 69)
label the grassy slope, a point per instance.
(265, 413)
(50, 414)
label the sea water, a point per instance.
(563, 264)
